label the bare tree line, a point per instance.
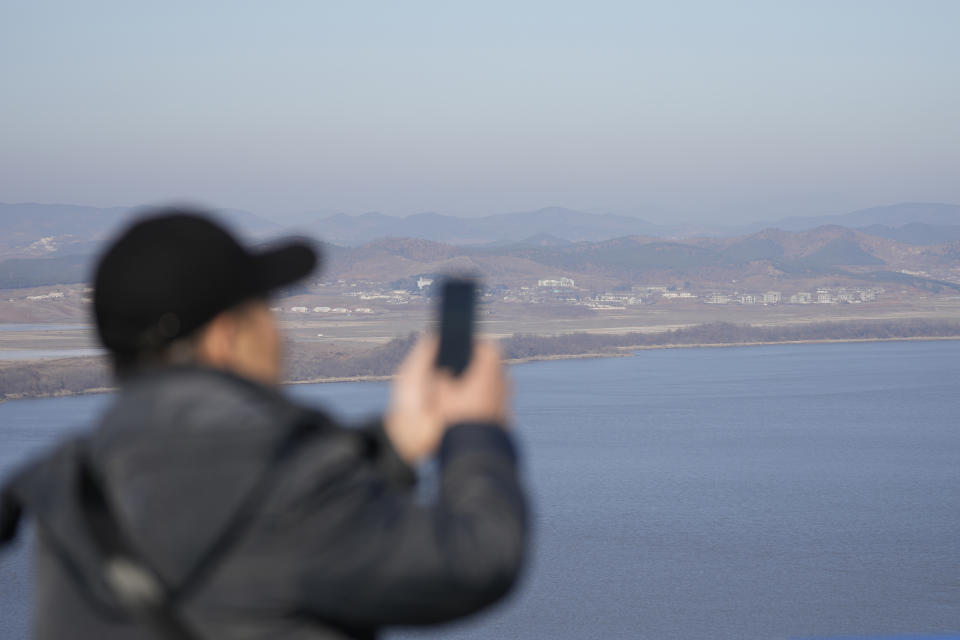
(77, 375)
(52, 377)
(532, 346)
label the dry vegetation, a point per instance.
(52, 377)
(320, 362)
(725, 333)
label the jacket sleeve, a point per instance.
(378, 556)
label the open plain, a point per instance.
(69, 328)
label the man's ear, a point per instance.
(215, 342)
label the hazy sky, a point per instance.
(713, 111)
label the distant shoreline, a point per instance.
(716, 345)
(57, 394)
(712, 345)
(617, 352)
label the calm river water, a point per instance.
(757, 492)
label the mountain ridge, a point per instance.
(572, 225)
(768, 256)
(37, 230)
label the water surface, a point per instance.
(13, 326)
(48, 354)
(757, 492)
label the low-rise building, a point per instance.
(622, 298)
(53, 295)
(649, 288)
(597, 306)
(559, 283)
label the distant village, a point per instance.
(563, 290)
(365, 297)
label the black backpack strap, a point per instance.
(138, 587)
(11, 511)
(15, 503)
(302, 426)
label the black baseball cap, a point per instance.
(175, 269)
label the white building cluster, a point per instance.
(53, 295)
(558, 283)
(325, 309)
(563, 290)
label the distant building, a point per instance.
(423, 283)
(803, 297)
(53, 295)
(649, 288)
(622, 298)
(321, 309)
(717, 298)
(771, 297)
(748, 299)
(299, 309)
(560, 283)
(597, 306)
(824, 297)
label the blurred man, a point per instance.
(208, 505)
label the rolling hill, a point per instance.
(895, 215)
(565, 225)
(37, 230)
(769, 256)
(53, 244)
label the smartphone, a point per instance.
(456, 325)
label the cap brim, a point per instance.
(284, 264)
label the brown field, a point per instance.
(496, 319)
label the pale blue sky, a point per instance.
(706, 111)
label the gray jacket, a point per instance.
(336, 545)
